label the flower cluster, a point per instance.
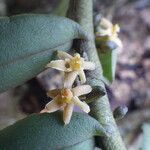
(106, 31)
(66, 97)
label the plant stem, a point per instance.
(82, 12)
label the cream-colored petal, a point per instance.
(104, 32)
(57, 64)
(81, 90)
(68, 110)
(105, 23)
(52, 106)
(43, 110)
(118, 42)
(81, 104)
(116, 28)
(69, 79)
(63, 55)
(53, 93)
(82, 76)
(88, 65)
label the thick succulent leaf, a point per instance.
(146, 139)
(15, 74)
(47, 131)
(28, 42)
(85, 145)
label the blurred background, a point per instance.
(132, 84)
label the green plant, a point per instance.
(28, 43)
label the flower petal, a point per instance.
(118, 42)
(57, 64)
(82, 90)
(53, 93)
(52, 106)
(116, 28)
(105, 23)
(88, 65)
(63, 55)
(43, 110)
(68, 110)
(69, 79)
(104, 32)
(82, 76)
(81, 104)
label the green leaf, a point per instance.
(47, 131)
(85, 145)
(146, 139)
(28, 42)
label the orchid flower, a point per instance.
(107, 29)
(65, 99)
(72, 66)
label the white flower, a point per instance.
(65, 99)
(108, 31)
(72, 66)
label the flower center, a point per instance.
(76, 62)
(65, 96)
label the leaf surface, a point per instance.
(47, 131)
(28, 42)
(85, 145)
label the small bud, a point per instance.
(96, 93)
(120, 112)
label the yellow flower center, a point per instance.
(65, 96)
(115, 30)
(76, 62)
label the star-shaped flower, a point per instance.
(108, 31)
(65, 99)
(72, 66)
